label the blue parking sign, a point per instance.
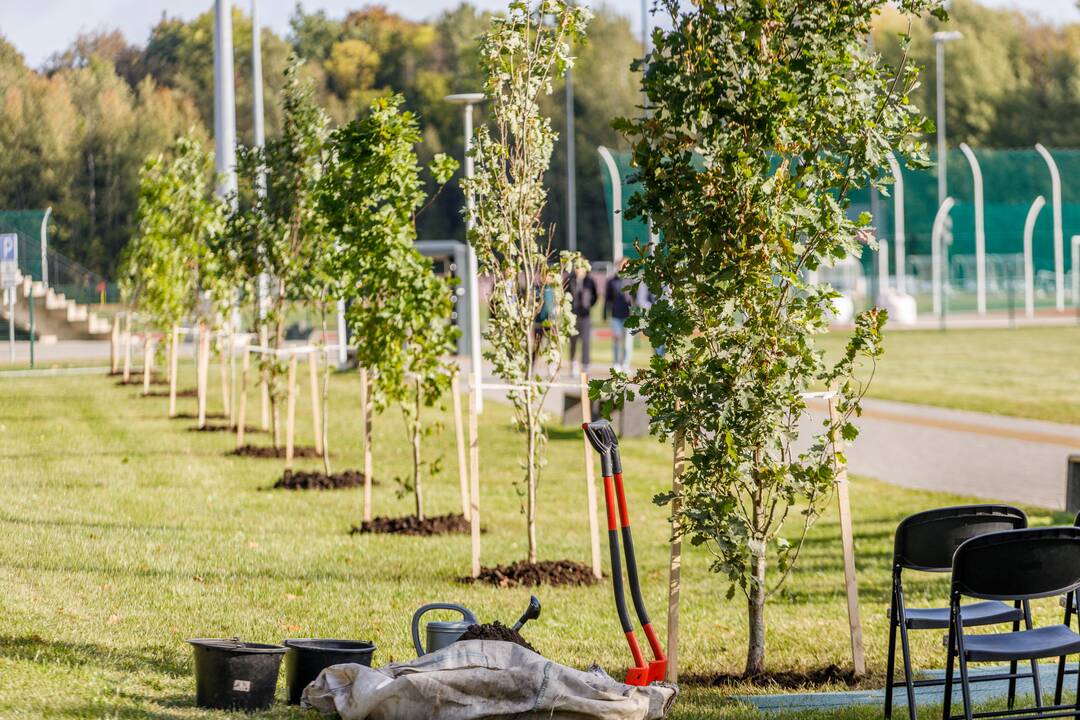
(9, 259)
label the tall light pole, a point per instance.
(224, 99)
(262, 288)
(468, 100)
(940, 38)
(571, 166)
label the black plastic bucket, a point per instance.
(235, 675)
(307, 657)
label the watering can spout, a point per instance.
(531, 613)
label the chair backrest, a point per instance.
(927, 540)
(1018, 564)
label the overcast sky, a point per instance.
(38, 28)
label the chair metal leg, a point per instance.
(946, 704)
(965, 682)
(1059, 685)
(906, 648)
(1012, 669)
(1035, 680)
(890, 663)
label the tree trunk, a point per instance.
(755, 604)
(418, 489)
(530, 512)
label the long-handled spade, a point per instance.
(603, 439)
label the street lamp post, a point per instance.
(940, 38)
(468, 100)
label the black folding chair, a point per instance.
(926, 542)
(1070, 610)
(1018, 565)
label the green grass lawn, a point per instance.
(122, 533)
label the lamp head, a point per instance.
(465, 98)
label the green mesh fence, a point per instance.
(64, 274)
(1012, 179)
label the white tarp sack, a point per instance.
(474, 679)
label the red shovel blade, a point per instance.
(637, 676)
(657, 670)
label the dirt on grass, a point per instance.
(302, 480)
(547, 572)
(224, 428)
(195, 416)
(137, 379)
(781, 679)
(452, 524)
(264, 451)
(188, 393)
(496, 631)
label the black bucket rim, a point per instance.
(238, 646)
(318, 644)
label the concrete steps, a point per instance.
(56, 316)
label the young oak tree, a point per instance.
(763, 117)
(399, 308)
(521, 54)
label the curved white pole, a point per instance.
(980, 229)
(898, 223)
(1029, 270)
(936, 252)
(616, 204)
(1059, 240)
(1075, 241)
(45, 248)
(883, 269)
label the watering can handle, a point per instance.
(466, 615)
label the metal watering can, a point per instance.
(441, 634)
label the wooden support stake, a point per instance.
(264, 387)
(290, 415)
(858, 655)
(474, 476)
(226, 406)
(114, 345)
(231, 346)
(459, 435)
(365, 413)
(241, 402)
(202, 369)
(127, 348)
(148, 362)
(590, 481)
(316, 410)
(174, 354)
(675, 565)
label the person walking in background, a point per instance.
(618, 303)
(583, 295)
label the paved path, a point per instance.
(988, 456)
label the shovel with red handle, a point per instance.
(603, 439)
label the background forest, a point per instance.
(75, 131)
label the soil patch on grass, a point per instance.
(547, 572)
(137, 379)
(195, 416)
(781, 679)
(301, 480)
(452, 524)
(263, 451)
(189, 393)
(224, 429)
(496, 631)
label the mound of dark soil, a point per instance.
(452, 524)
(301, 480)
(261, 451)
(496, 631)
(547, 572)
(137, 379)
(783, 679)
(223, 428)
(189, 393)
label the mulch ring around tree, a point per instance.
(223, 428)
(137, 379)
(265, 451)
(547, 572)
(302, 480)
(783, 679)
(188, 393)
(195, 416)
(496, 631)
(452, 524)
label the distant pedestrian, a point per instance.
(618, 304)
(583, 296)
